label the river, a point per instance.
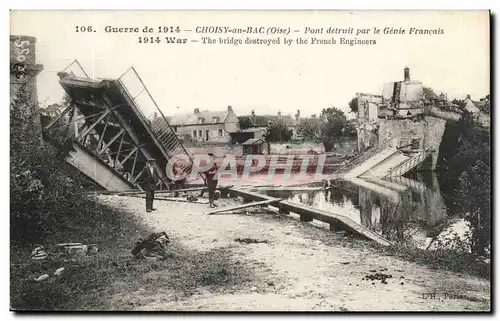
(403, 210)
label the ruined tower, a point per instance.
(407, 74)
(23, 85)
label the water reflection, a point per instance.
(417, 215)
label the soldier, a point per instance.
(150, 177)
(212, 180)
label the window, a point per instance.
(216, 119)
(403, 142)
(221, 133)
(200, 134)
(194, 133)
(415, 143)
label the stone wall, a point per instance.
(428, 131)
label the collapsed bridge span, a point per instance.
(106, 132)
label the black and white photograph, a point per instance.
(245, 161)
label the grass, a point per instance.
(449, 260)
(446, 260)
(91, 282)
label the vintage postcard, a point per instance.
(250, 161)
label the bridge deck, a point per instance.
(309, 213)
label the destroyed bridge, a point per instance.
(107, 133)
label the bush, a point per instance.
(45, 195)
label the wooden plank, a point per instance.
(336, 219)
(292, 189)
(182, 190)
(245, 206)
(178, 200)
(246, 194)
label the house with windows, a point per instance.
(206, 126)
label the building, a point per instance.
(206, 126)
(243, 135)
(381, 118)
(403, 98)
(254, 146)
(262, 121)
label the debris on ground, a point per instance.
(59, 271)
(378, 276)
(73, 249)
(39, 253)
(64, 250)
(249, 240)
(42, 278)
(153, 247)
(345, 263)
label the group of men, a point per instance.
(149, 177)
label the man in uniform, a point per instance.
(150, 177)
(212, 180)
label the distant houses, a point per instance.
(204, 126)
(262, 121)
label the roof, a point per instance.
(471, 106)
(252, 130)
(192, 118)
(263, 120)
(253, 141)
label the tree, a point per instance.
(353, 105)
(310, 129)
(460, 103)
(333, 128)
(429, 93)
(465, 160)
(244, 122)
(277, 132)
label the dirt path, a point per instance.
(301, 268)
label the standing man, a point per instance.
(212, 180)
(150, 177)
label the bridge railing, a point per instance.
(147, 106)
(76, 69)
(359, 159)
(409, 164)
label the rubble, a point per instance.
(42, 278)
(153, 247)
(249, 240)
(59, 271)
(39, 253)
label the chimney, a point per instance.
(468, 97)
(253, 113)
(407, 74)
(297, 116)
(196, 110)
(279, 113)
(230, 109)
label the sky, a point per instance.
(266, 79)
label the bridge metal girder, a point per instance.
(136, 141)
(114, 129)
(96, 127)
